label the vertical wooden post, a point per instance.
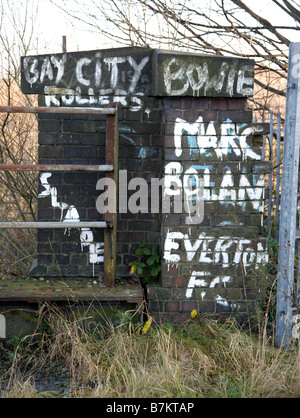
(110, 235)
(277, 198)
(270, 204)
(289, 198)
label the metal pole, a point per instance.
(58, 110)
(56, 167)
(54, 225)
(110, 238)
(289, 199)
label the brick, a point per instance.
(44, 258)
(200, 103)
(80, 259)
(152, 165)
(173, 306)
(80, 178)
(92, 271)
(178, 294)
(218, 104)
(146, 128)
(170, 270)
(61, 258)
(46, 138)
(49, 125)
(237, 116)
(133, 116)
(156, 306)
(44, 214)
(189, 306)
(44, 235)
(206, 307)
(161, 293)
(180, 282)
(237, 104)
(92, 139)
(180, 318)
(155, 115)
(48, 151)
(78, 126)
(172, 114)
(53, 271)
(78, 152)
(66, 139)
(69, 271)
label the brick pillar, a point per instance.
(178, 114)
(217, 266)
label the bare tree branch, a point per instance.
(222, 27)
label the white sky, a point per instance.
(53, 24)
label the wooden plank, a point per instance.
(110, 236)
(33, 290)
(289, 198)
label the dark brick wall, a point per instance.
(69, 139)
(218, 266)
(80, 139)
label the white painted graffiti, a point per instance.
(201, 279)
(214, 250)
(96, 250)
(212, 140)
(70, 97)
(104, 80)
(197, 280)
(88, 71)
(180, 77)
(226, 193)
(232, 138)
(33, 74)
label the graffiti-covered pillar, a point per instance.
(214, 260)
(183, 119)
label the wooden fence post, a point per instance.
(289, 198)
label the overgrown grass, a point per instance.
(202, 358)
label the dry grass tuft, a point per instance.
(203, 358)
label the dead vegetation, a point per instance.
(203, 358)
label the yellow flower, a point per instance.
(147, 325)
(132, 270)
(194, 313)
